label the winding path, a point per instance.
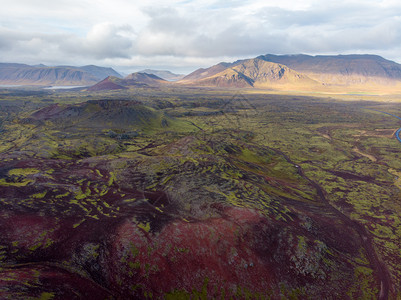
(378, 266)
(397, 133)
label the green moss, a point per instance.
(104, 191)
(178, 295)
(364, 283)
(23, 172)
(82, 194)
(363, 270)
(48, 243)
(144, 226)
(46, 296)
(63, 195)
(134, 265)
(79, 223)
(302, 246)
(39, 195)
(134, 250)
(20, 183)
(36, 246)
(112, 178)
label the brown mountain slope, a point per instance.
(271, 75)
(107, 84)
(255, 73)
(342, 69)
(342, 73)
(204, 73)
(226, 78)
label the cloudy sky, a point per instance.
(183, 35)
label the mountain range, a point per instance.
(342, 73)
(302, 72)
(272, 72)
(41, 75)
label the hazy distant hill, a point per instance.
(133, 80)
(140, 77)
(100, 72)
(341, 69)
(204, 73)
(164, 74)
(21, 74)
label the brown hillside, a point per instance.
(226, 78)
(345, 70)
(271, 75)
(255, 73)
(205, 73)
(106, 85)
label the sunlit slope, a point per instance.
(364, 72)
(255, 73)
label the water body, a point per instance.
(64, 87)
(9, 85)
(397, 135)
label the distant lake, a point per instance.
(64, 87)
(9, 85)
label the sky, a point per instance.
(182, 36)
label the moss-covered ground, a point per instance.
(204, 191)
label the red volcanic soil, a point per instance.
(48, 112)
(106, 85)
(188, 255)
(46, 281)
(88, 237)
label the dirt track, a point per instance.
(377, 265)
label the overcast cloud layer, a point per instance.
(185, 35)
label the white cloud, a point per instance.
(191, 33)
(105, 40)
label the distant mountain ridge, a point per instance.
(144, 78)
(247, 74)
(137, 79)
(302, 72)
(22, 74)
(203, 73)
(164, 74)
(342, 69)
(299, 72)
(363, 64)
